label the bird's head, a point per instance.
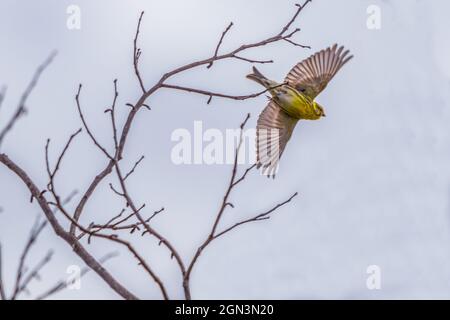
(318, 109)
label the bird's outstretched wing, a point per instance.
(312, 75)
(273, 131)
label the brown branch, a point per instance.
(34, 274)
(115, 238)
(297, 44)
(137, 54)
(242, 178)
(225, 203)
(120, 140)
(19, 284)
(21, 107)
(68, 237)
(62, 284)
(217, 94)
(220, 43)
(134, 168)
(148, 228)
(141, 101)
(289, 24)
(232, 180)
(223, 206)
(259, 217)
(52, 173)
(115, 190)
(252, 60)
(278, 37)
(109, 224)
(113, 115)
(94, 140)
(119, 224)
(90, 190)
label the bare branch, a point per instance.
(120, 139)
(62, 284)
(289, 24)
(216, 94)
(297, 44)
(279, 37)
(115, 190)
(219, 44)
(68, 237)
(259, 217)
(34, 273)
(77, 99)
(134, 168)
(252, 60)
(148, 228)
(242, 178)
(118, 225)
(19, 284)
(21, 108)
(223, 206)
(90, 190)
(225, 203)
(137, 54)
(113, 115)
(53, 172)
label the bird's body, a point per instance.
(295, 104)
(292, 101)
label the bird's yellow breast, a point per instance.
(296, 104)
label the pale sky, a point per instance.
(373, 176)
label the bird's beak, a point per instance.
(323, 114)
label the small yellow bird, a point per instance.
(291, 101)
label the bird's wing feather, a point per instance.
(273, 131)
(312, 75)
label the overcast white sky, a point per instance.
(373, 176)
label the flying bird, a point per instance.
(291, 101)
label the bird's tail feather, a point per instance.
(260, 78)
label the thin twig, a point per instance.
(252, 60)
(134, 168)
(77, 99)
(63, 284)
(34, 273)
(113, 115)
(53, 172)
(225, 203)
(259, 217)
(21, 107)
(34, 233)
(137, 54)
(67, 236)
(115, 238)
(211, 94)
(220, 43)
